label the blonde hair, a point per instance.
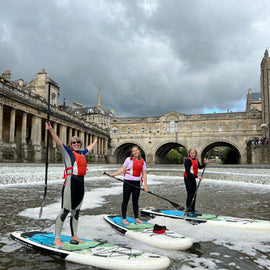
(192, 149)
(137, 147)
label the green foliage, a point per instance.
(183, 152)
(174, 157)
(228, 156)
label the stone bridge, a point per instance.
(156, 136)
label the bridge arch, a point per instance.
(236, 150)
(163, 149)
(124, 150)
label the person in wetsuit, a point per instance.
(192, 165)
(73, 188)
(134, 169)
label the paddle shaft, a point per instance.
(47, 152)
(176, 205)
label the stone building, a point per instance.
(265, 93)
(96, 115)
(23, 113)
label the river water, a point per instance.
(232, 191)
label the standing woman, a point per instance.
(134, 169)
(73, 188)
(192, 165)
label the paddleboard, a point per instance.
(92, 253)
(227, 221)
(150, 234)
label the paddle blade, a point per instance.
(180, 208)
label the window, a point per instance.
(237, 127)
(128, 130)
(254, 127)
(142, 130)
(172, 125)
(220, 128)
(114, 130)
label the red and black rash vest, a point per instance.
(194, 167)
(136, 169)
(79, 166)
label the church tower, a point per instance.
(265, 93)
(99, 102)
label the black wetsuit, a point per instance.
(191, 185)
(72, 194)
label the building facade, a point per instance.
(23, 113)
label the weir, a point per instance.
(32, 173)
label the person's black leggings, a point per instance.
(191, 189)
(131, 187)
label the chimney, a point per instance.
(7, 75)
(21, 82)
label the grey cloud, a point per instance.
(188, 57)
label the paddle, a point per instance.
(198, 185)
(176, 205)
(47, 153)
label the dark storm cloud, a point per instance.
(148, 57)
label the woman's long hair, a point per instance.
(140, 156)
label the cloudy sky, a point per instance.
(147, 56)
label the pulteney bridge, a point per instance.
(158, 135)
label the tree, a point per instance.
(174, 157)
(228, 156)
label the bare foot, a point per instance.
(138, 221)
(58, 242)
(77, 239)
(125, 222)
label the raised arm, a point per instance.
(54, 136)
(92, 145)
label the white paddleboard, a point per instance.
(93, 253)
(218, 220)
(150, 234)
